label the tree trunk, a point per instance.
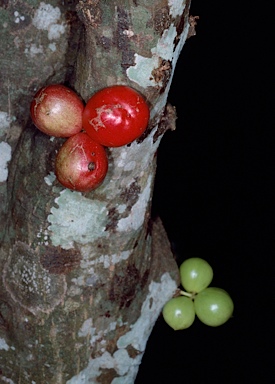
(84, 275)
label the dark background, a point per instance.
(214, 192)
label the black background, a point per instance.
(214, 192)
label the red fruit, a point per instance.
(81, 163)
(115, 116)
(57, 111)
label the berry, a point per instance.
(57, 111)
(213, 306)
(115, 116)
(196, 274)
(179, 312)
(81, 164)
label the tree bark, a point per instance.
(84, 275)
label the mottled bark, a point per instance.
(84, 275)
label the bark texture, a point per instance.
(84, 275)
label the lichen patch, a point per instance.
(159, 294)
(136, 217)
(33, 50)
(5, 157)
(18, 17)
(141, 71)
(29, 284)
(106, 260)
(50, 178)
(3, 344)
(176, 7)
(76, 213)
(5, 121)
(46, 18)
(125, 366)
(120, 361)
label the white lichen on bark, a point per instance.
(176, 7)
(141, 72)
(5, 157)
(3, 344)
(106, 260)
(29, 284)
(136, 217)
(5, 121)
(74, 215)
(125, 366)
(46, 17)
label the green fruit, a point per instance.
(195, 274)
(213, 306)
(179, 313)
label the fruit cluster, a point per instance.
(113, 117)
(213, 306)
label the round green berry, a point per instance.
(195, 274)
(213, 306)
(179, 312)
